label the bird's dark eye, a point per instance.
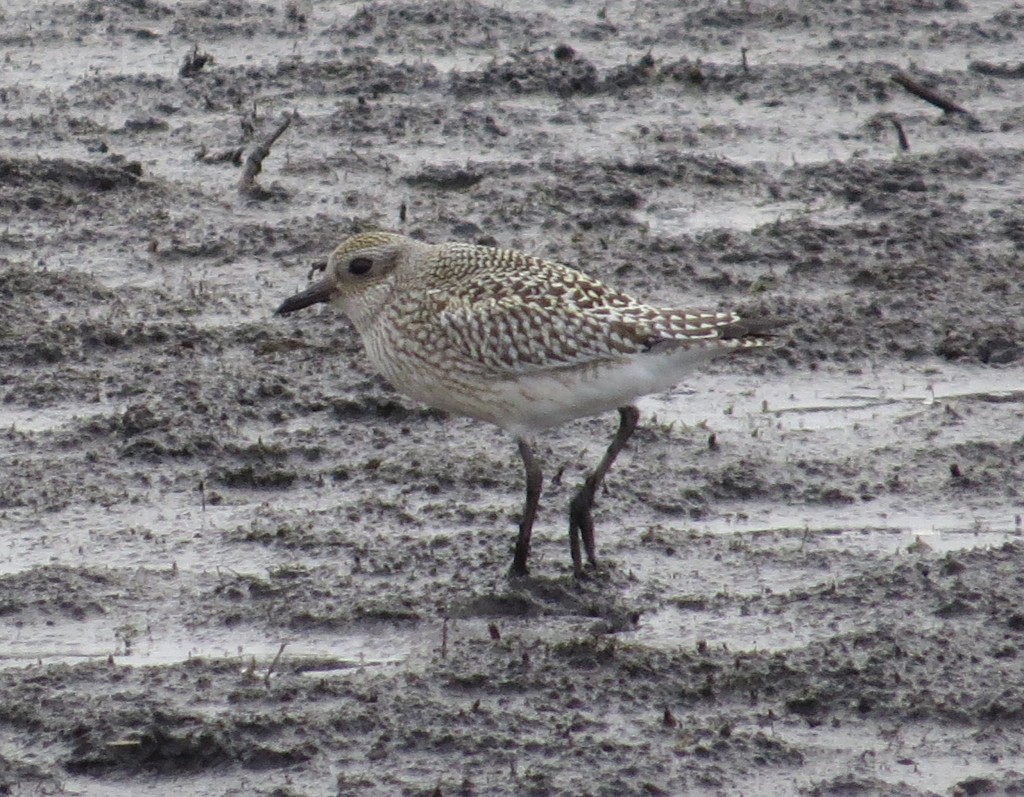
(360, 266)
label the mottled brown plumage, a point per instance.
(517, 341)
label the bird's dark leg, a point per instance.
(534, 482)
(581, 522)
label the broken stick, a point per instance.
(927, 94)
(900, 133)
(254, 163)
(273, 664)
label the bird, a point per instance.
(521, 342)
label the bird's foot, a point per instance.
(518, 570)
(581, 529)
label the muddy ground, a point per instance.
(813, 558)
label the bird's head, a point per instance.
(358, 272)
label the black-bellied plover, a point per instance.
(521, 342)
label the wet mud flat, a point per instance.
(232, 560)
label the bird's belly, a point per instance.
(532, 402)
(547, 399)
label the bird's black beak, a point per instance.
(315, 294)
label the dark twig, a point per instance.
(254, 163)
(273, 664)
(927, 94)
(900, 134)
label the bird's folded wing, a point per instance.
(516, 338)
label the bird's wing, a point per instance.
(513, 337)
(511, 314)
